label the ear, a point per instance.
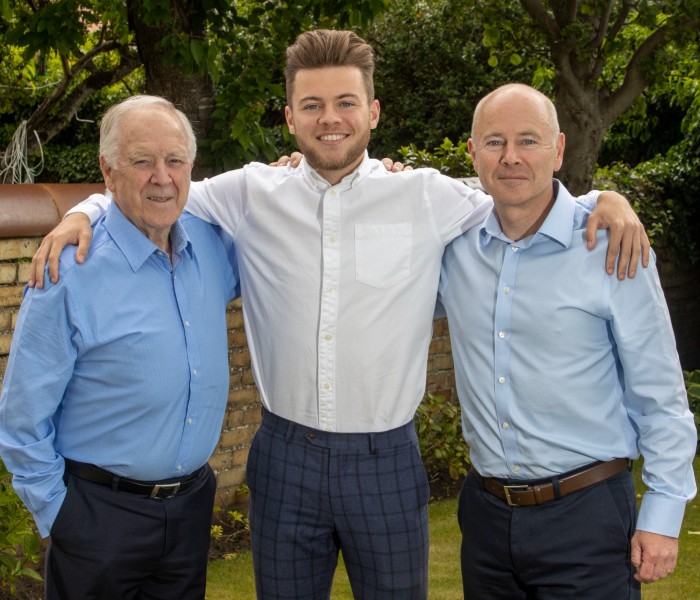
(374, 111)
(561, 142)
(472, 153)
(107, 174)
(290, 119)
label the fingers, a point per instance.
(295, 159)
(36, 273)
(653, 555)
(282, 161)
(285, 161)
(395, 166)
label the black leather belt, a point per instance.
(154, 489)
(532, 494)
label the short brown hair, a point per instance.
(327, 48)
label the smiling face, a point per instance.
(516, 148)
(150, 179)
(331, 117)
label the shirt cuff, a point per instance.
(92, 207)
(661, 514)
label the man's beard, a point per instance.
(320, 161)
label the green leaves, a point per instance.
(442, 446)
(19, 543)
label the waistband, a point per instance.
(371, 441)
(160, 490)
(534, 493)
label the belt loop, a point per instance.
(290, 432)
(115, 484)
(555, 488)
(372, 444)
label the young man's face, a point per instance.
(151, 180)
(331, 118)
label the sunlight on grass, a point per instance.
(233, 579)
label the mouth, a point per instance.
(159, 199)
(332, 137)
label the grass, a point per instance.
(233, 579)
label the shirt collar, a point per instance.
(135, 246)
(558, 226)
(318, 183)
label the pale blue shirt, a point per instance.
(123, 363)
(559, 365)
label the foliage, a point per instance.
(229, 531)
(431, 71)
(692, 385)
(71, 164)
(448, 158)
(663, 191)
(442, 446)
(19, 542)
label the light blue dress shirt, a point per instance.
(559, 365)
(123, 363)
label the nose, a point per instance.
(161, 173)
(510, 154)
(329, 116)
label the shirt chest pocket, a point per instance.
(383, 253)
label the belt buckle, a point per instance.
(170, 490)
(507, 489)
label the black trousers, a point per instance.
(577, 547)
(108, 545)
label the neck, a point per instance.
(520, 222)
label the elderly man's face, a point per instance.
(151, 179)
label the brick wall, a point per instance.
(28, 212)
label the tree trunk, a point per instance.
(193, 94)
(583, 126)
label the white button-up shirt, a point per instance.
(339, 284)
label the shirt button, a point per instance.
(506, 289)
(333, 239)
(179, 467)
(194, 371)
(514, 248)
(333, 193)
(189, 421)
(330, 290)
(326, 386)
(505, 425)
(501, 334)
(516, 468)
(187, 323)
(328, 337)
(501, 380)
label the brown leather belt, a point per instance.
(532, 494)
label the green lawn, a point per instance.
(233, 579)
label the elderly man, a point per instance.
(564, 375)
(339, 267)
(117, 380)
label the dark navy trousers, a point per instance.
(109, 545)
(577, 547)
(315, 493)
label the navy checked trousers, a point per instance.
(315, 493)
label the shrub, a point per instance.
(19, 542)
(448, 158)
(442, 446)
(692, 384)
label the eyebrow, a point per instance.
(526, 133)
(338, 97)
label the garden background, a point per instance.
(624, 76)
